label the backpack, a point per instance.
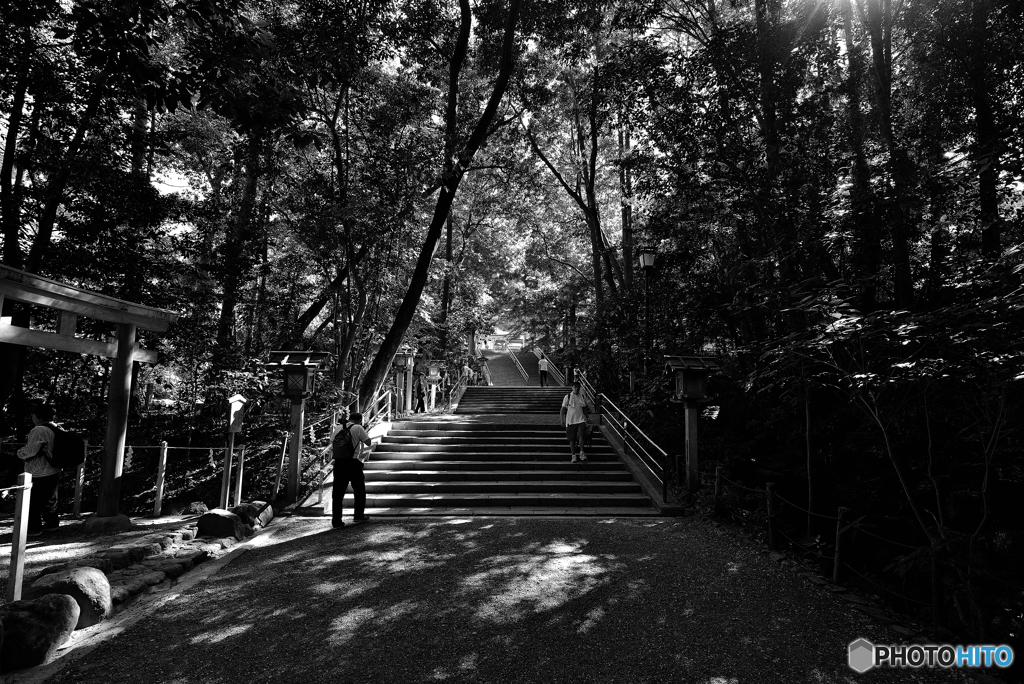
(68, 448)
(342, 444)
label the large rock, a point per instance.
(87, 586)
(104, 524)
(34, 629)
(220, 523)
(254, 513)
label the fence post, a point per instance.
(280, 467)
(76, 509)
(718, 489)
(17, 571)
(838, 571)
(241, 472)
(770, 489)
(320, 489)
(160, 470)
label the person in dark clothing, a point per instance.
(42, 507)
(420, 392)
(348, 467)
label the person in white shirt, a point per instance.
(543, 366)
(348, 467)
(575, 410)
(42, 506)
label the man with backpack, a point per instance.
(346, 443)
(42, 507)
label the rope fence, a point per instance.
(840, 566)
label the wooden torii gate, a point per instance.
(72, 302)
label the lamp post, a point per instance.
(647, 257)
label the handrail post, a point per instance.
(280, 467)
(76, 508)
(241, 472)
(225, 483)
(718, 489)
(160, 471)
(20, 536)
(838, 571)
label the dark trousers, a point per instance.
(42, 507)
(348, 470)
(575, 433)
(420, 405)
(543, 378)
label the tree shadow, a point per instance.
(491, 600)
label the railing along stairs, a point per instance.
(515, 360)
(553, 371)
(650, 455)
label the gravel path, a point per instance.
(496, 600)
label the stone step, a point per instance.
(495, 465)
(496, 475)
(551, 440)
(495, 454)
(502, 487)
(528, 500)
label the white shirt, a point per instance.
(543, 365)
(574, 403)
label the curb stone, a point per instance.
(152, 563)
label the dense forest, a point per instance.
(834, 190)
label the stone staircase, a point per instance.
(504, 452)
(515, 400)
(510, 468)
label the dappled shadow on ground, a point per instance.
(493, 600)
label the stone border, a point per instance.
(155, 561)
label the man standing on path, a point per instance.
(42, 507)
(346, 443)
(574, 418)
(543, 366)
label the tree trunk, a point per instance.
(987, 142)
(879, 25)
(867, 247)
(626, 190)
(446, 288)
(55, 189)
(235, 245)
(9, 202)
(454, 170)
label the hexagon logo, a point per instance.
(862, 655)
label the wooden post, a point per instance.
(241, 473)
(838, 563)
(295, 452)
(76, 508)
(161, 469)
(117, 422)
(17, 572)
(772, 541)
(225, 481)
(280, 467)
(718, 489)
(320, 489)
(692, 469)
(408, 390)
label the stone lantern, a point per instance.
(691, 381)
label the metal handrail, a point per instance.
(552, 368)
(463, 381)
(624, 428)
(656, 462)
(515, 360)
